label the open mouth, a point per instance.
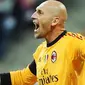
(36, 25)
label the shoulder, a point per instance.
(77, 36)
(74, 39)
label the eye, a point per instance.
(40, 12)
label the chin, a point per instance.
(38, 36)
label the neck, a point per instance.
(53, 35)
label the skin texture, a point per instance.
(51, 16)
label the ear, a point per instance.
(55, 21)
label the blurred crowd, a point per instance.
(14, 16)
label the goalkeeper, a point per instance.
(59, 60)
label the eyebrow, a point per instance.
(37, 9)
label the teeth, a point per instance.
(35, 30)
(36, 26)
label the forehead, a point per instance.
(48, 7)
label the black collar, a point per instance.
(53, 42)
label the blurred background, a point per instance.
(17, 42)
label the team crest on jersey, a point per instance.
(54, 56)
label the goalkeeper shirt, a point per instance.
(60, 62)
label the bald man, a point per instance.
(59, 60)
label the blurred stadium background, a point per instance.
(17, 42)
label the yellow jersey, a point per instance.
(61, 61)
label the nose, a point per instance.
(34, 15)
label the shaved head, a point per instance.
(49, 18)
(56, 8)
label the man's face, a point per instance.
(42, 19)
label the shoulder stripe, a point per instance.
(32, 67)
(5, 79)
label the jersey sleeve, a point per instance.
(23, 77)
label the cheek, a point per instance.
(46, 23)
